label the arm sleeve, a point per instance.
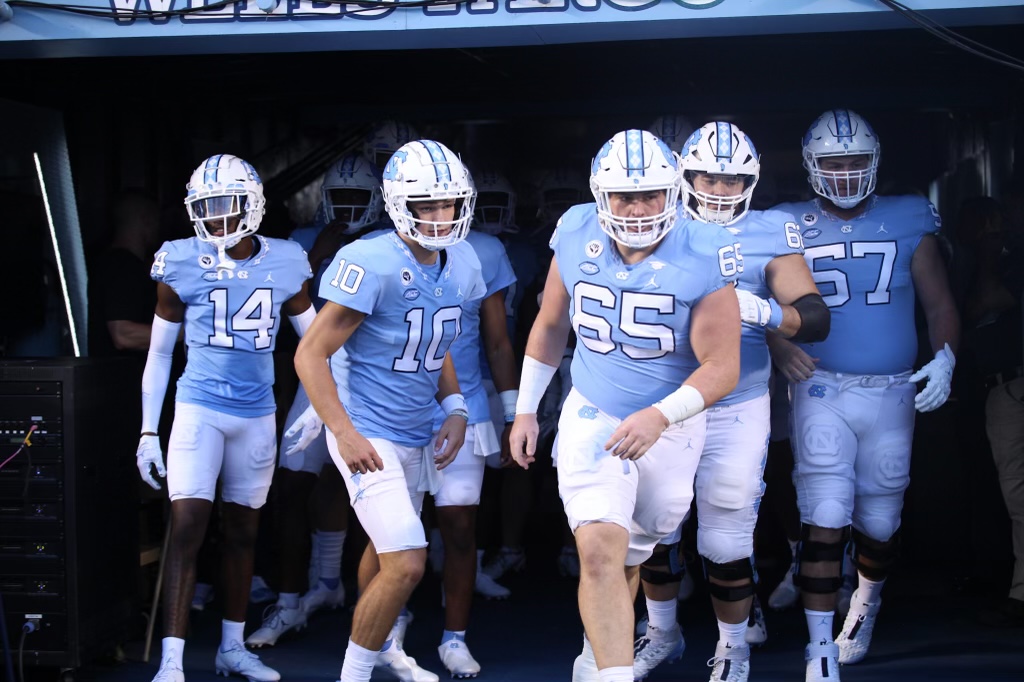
(158, 371)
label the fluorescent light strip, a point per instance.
(60, 264)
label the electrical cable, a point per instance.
(955, 39)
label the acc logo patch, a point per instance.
(406, 276)
(594, 248)
(411, 294)
(589, 268)
(809, 218)
(816, 391)
(812, 233)
(588, 412)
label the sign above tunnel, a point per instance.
(148, 27)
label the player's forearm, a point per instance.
(128, 335)
(547, 341)
(502, 361)
(311, 364)
(943, 326)
(447, 381)
(715, 378)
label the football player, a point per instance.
(853, 394)
(658, 333)
(229, 285)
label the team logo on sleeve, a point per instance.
(589, 268)
(809, 218)
(812, 233)
(406, 277)
(594, 248)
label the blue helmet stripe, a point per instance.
(437, 157)
(724, 140)
(348, 166)
(844, 127)
(212, 166)
(634, 154)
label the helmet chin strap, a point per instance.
(223, 262)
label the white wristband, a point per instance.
(681, 404)
(508, 404)
(455, 401)
(302, 321)
(534, 381)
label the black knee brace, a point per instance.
(664, 557)
(882, 555)
(812, 552)
(741, 569)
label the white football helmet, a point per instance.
(495, 204)
(425, 170)
(557, 191)
(716, 149)
(222, 187)
(673, 129)
(385, 138)
(351, 193)
(635, 161)
(841, 132)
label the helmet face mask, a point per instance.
(350, 193)
(224, 200)
(672, 129)
(841, 154)
(635, 162)
(495, 204)
(720, 170)
(557, 192)
(427, 171)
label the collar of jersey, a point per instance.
(397, 241)
(873, 199)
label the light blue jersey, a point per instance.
(411, 321)
(763, 236)
(229, 313)
(632, 322)
(862, 268)
(467, 349)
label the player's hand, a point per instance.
(304, 430)
(149, 455)
(754, 309)
(506, 459)
(449, 440)
(637, 433)
(357, 452)
(795, 364)
(522, 441)
(939, 373)
(328, 241)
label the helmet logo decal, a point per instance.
(391, 170)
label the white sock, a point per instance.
(732, 634)
(230, 631)
(622, 673)
(869, 591)
(358, 663)
(662, 614)
(174, 648)
(289, 600)
(819, 625)
(331, 545)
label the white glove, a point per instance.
(759, 311)
(149, 454)
(307, 427)
(939, 373)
